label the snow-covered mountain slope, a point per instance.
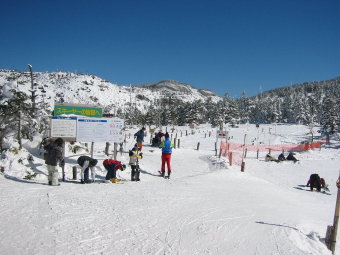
(89, 89)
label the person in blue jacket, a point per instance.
(140, 138)
(166, 154)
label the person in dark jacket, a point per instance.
(112, 166)
(291, 157)
(281, 157)
(54, 156)
(140, 138)
(166, 154)
(87, 162)
(316, 182)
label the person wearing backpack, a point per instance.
(166, 146)
(140, 138)
(134, 164)
(112, 166)
(87, 162)
(54, 157)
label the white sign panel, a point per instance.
(63, 127)
(116, 126)
(100, 130)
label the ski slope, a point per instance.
(207, 207)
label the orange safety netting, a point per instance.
(233, 150)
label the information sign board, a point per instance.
(64, 127)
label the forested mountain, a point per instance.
(27, 100)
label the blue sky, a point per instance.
(226, 46)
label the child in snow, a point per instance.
(316, 182)
(291, 157)
(281, 157)
(166, 146)
(140, 138)
(269, 158)
(87, 162)
(134, 156)
(112, 166)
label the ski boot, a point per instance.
(114, 180)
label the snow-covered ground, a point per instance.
(207, 207)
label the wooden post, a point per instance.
(242, 166)
(257, 154)
(115, 145)
(179, 142)
(209, 133)
(74, 172)
(231, 158)
(107, 147)
(205, 135)
(175, 143)
(186, 132)
(198, 145)
(334, 228)
(63, 167)
(92, 145)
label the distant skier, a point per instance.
(134, 163)
(166, 155)
(87, 162)
(140, 138)
(54, 156)
(112, 166)
(316, 182)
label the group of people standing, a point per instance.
(54, 156)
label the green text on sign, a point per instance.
(77, 110)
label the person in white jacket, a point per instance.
(134, 156)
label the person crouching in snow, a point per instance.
(291, 157)
(281, 157)
(316, 182)
(166, 146)
(134, 156)
(87, 162)
(54, 156)
(112, 166)
(269, 158)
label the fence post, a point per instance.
(175, 143)
(257, 156)
(334, 229)
(74, 172)
(107, 147)
(245, 153)
(231, 158)
(198, 145)
(242, 166)
(179, 142)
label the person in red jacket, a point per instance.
(112, 166)
(316, 182)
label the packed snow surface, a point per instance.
(207, 207)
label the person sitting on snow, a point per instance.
(281, 157)
(87, 162)
(291, 157)
(112, 166)
(316, 182)
(269, 158)
(134, 156)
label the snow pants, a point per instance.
(53, 175)
(85, 171)
(166, 158)
(135, 173)
(111, 171)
